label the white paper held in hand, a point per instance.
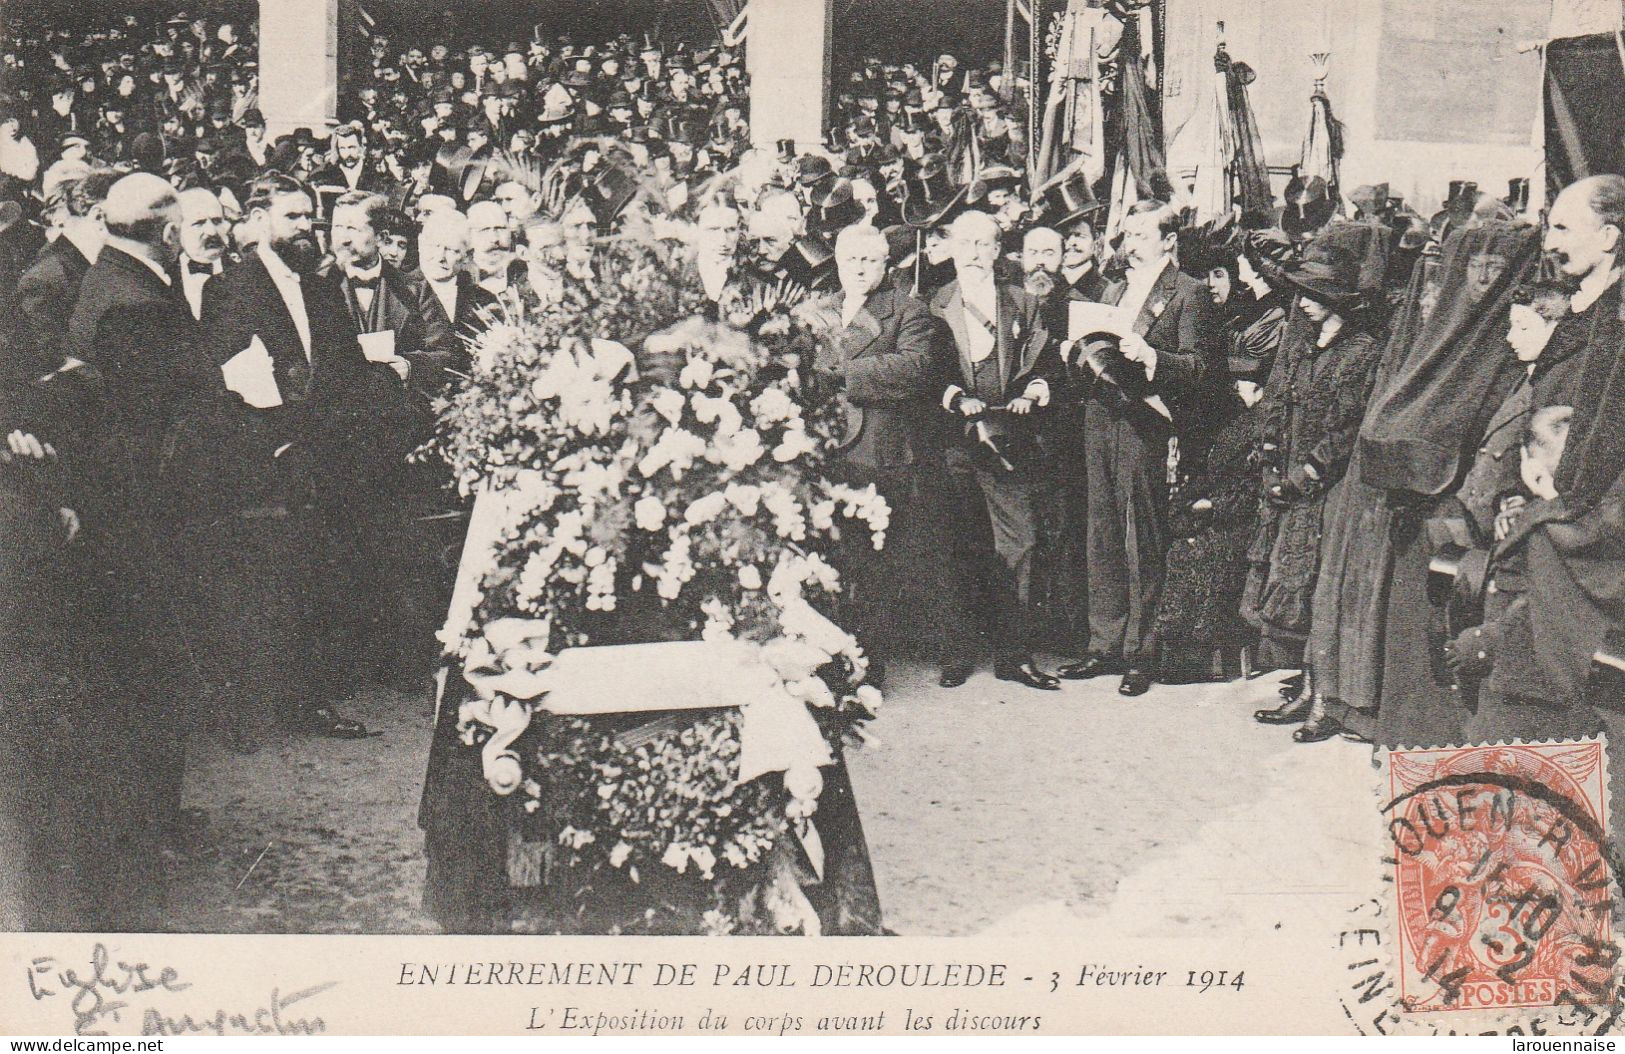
(1085, 317)
(250, 375)
(379, 347)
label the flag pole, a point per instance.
(1007, 83)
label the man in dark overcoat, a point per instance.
(882, 351)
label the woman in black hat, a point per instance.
(1214, 504)
(1313, 405)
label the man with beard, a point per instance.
(205, 237)
(310, 432)
(346, 169)
(1003, 368)
(1126, 431)
(1058, 586)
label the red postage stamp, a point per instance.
(1504, 881)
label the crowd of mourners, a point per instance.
(1379, 451)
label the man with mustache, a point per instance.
(1583, 242)
(311, 439)
(1003, 360)
(395, 587)
(205, 237)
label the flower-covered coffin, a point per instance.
(642, 611)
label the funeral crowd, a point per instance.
(1334, 437)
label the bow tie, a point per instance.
(364, 280)
(193, 267)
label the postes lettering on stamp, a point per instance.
(1504, 883)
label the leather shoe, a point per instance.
(1135, 682)
(1318, 728)
(954, 674)
(1290, 712)
(1090, 666)
(1028, 674)
(1292, 687)
(323, 721)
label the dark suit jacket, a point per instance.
(1024, 350)
(1176, 320)
(474, 301)
(332, 402)
(45, 298)
(1023, 346)
(140, 336)
(404, 304)
(329, 183)
(890, 363)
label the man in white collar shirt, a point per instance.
(402, 325)
(442, 259)
(490, 242)
(717, 246)
(390, 309)
(1003, 361)
(204, 240)
(1127, 428)
(347, 168)
(315, 451)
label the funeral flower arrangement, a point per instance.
(677, 494)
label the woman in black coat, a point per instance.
(1214, 503)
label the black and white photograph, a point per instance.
(1133, 475)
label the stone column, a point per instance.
(788, 57)
(299, 70)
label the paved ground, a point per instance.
(990, 808)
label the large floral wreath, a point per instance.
(677, 493)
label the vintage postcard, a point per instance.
(811, 518)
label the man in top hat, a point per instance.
(1169, 349)
(925, 248)
(1309, 207)
(1004, 363)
